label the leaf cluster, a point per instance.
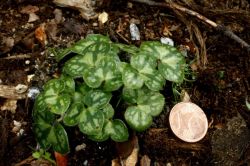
(81, 96)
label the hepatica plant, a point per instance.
(92, 78)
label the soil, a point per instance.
(220, 88)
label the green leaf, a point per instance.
(172, 62)
(83, 88)
(36, 155)
(97, 98)
(93, 77)
(72, 116)
(53, 86)
(108, 111)
(154, 81)
(128, 48)
(143, 63)
(59, 139)
(41, 131)
(131, 78)
(130, 95)
(58, 104)
(151, 102)
(97, 38)
(137, 119)
(40, 104)
(91, 121)
(100, 137)
(69, 83)
(119, 131)
(75, 67)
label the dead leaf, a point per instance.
(30, 10)
(145, 161)
(41, 35)
(61, 160)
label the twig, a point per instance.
(9, 92)
(221, 28)
(22, 56)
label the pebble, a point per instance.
(33, 92)
(20, 88)
(168, 41)
(134, 32)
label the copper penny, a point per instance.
(188, 122)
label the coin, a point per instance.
(188, 122)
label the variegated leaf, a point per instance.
(143, 63)
(172, 62)
(40, 104)
(59, 139)
(131, 78)
(91, 121)
(54, 86)
(41, 131)
(69, 83)
(130, 95)
(128, 48)
(72, 116)
(119, 131)
(97, 98)
(108, 111)
(97, 38)
(151, 102)
(93, 77)
(75, 67)
(58, 103)
(154, 81)
(138, 119)
(101, 136)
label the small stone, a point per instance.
(80, 147)
(103, 17)
(168, 41)
(33, 92)
(134, 32)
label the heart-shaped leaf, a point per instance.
(143, 63)
(117, 130)
(151, 102)
(172, 62)
(97, 98)
(108, 111)
(72, 116)
(137, 119)
(154, 81)
(41, 131)
(100, 137)
(59, 139)
(69, 83)
(58, 103)
(131, 78)
(93, 77)
(130, 95)
(91, 121)
(128, 48)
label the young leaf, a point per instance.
(72, 116)
(172, 62)
(59, 139)
(137, 119)
(131, 78)
(97, 98)
(91, 121)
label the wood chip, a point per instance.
(9, 92)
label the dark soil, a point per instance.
(220, 88)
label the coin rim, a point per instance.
(184, 139)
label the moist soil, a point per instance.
(220, 87)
